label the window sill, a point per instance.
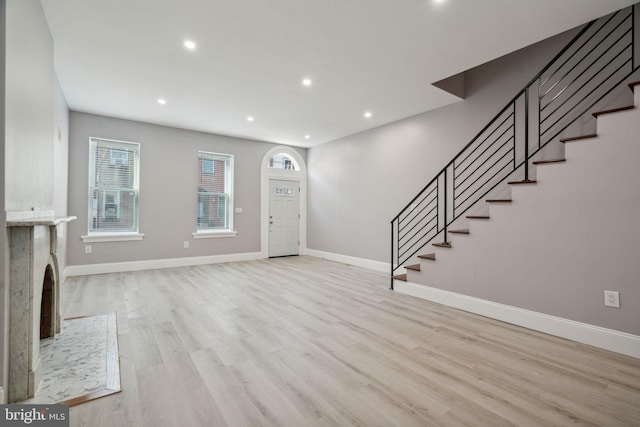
(214, 234)
(111, 237)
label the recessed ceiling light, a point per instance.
(368, 114)
(249, 118)
(162, 101)
(306, 82)
(307, 136)
(189, 44)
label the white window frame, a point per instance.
(229, 191)
(117, 235)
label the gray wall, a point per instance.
(29, 108)
(60, 138)
(31, 102)
(168, 184)
(359, 183)
(4, 268)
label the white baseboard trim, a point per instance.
(384, 267)
(119, 267)
(608, 339)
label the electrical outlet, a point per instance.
(612, 299)
(186, 244)
(88, 249)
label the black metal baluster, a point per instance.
(539, 103)
(438, 205)
(392, 256)
(526, 134)
(446, 195)
(633, 37)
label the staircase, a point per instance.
(530, 132)
(539, 211)
(557, 244)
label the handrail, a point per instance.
(487, 167)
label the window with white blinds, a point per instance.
(114, 174)
(215, 192)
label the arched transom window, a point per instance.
(283, 161)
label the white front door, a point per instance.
(284, 218)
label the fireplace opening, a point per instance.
(46, 308)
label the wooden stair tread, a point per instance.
(442, 245)
(547, 162)
(464, 231)
(578, 138)
(633, 84)
(613, 110)
(499, 200)
(524, 181)
(414, 267)
(402, 277)
(478, 216)
(432, 257)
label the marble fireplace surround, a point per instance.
(34, 245)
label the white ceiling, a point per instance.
(117, 57)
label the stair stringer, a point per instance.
(563, 241)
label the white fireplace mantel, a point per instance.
(33, 249)
(47, 221)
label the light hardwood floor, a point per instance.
(307, 342)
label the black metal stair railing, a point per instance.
(599, 58)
